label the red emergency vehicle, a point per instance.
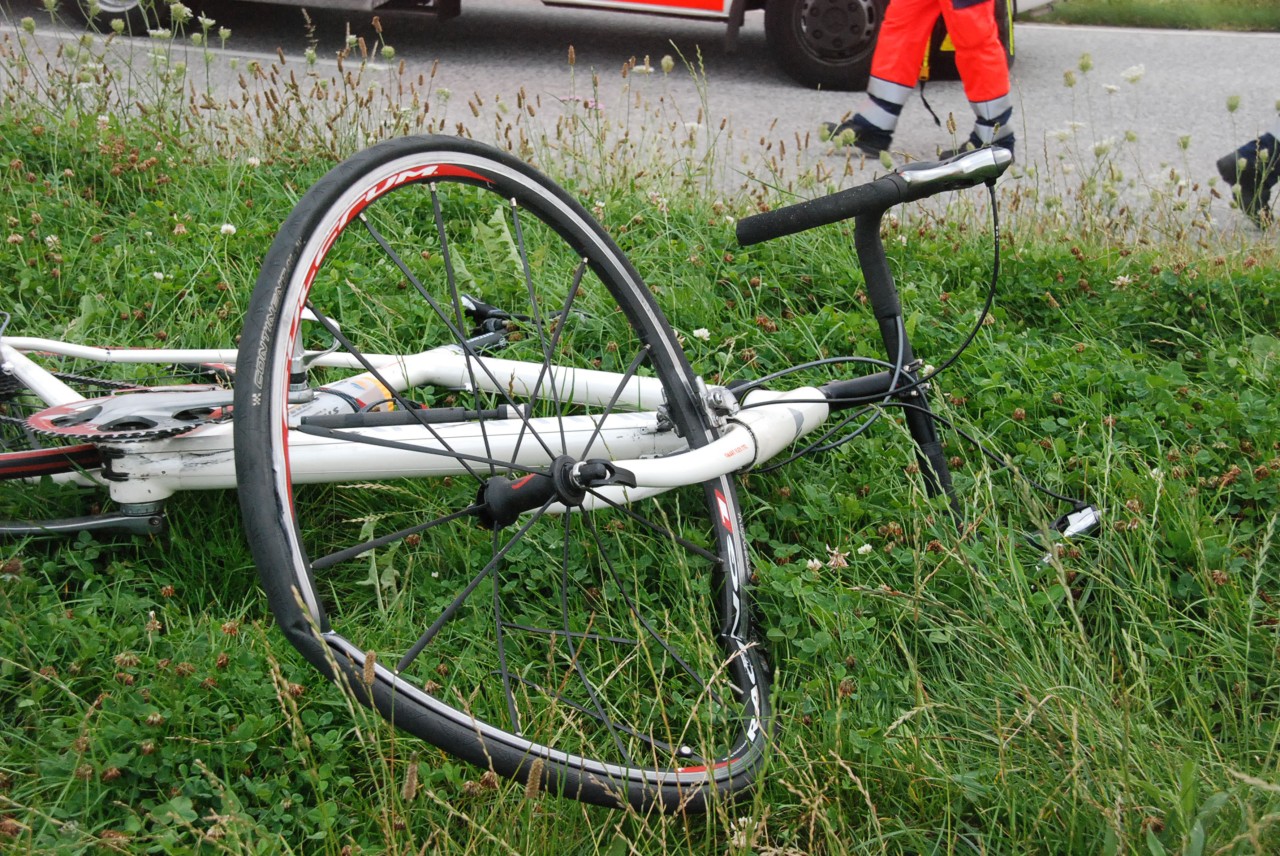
(821, 43)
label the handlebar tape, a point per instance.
(876, 197)
(906, 184)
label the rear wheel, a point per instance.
(607, 655)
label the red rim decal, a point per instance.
(404, 176)
(726, 520)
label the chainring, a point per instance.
(135, 415)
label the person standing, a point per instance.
(895, 68)
(1252, 171)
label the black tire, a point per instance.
(942, 64)
(608, 654)
(824, 43)
(139, 16)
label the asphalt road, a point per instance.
(1166, 91)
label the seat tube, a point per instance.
(883, 296)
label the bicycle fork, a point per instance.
(901, 382)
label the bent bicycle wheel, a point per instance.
(596, 643)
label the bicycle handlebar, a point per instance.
(905, 184)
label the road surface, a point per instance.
(1151, 101)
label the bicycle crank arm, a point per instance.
(113, 523)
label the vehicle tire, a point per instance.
(606, 655)
(139, 16)
(824, 43)
(942, 64)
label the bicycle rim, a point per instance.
(606, 655)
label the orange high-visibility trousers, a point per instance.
(971, 24)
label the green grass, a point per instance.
(1243, 15)
(937, 693)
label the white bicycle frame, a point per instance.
(632, 437)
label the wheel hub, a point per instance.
(839, 27)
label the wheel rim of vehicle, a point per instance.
(834, 29)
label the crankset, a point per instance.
(135, 415)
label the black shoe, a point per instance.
(869, 140)
(974, 143)
(1253, 176)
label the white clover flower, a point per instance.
(814, 564)
(157, 275)
(1134, 73)
(204, 22)
(227, 229)
(179, 13)
(1122, 281)
(865, 549)
(837, 558)
(51, 241)
(702, 333)
(253, 161)
(161, 34)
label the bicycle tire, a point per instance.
(532, 675)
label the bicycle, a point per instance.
(509, 525)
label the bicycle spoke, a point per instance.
(655, 528)
(325, 562)
(573, 654)
(332, 330)
(549, 351)
(617, 394)
(452, 608)
(644, 622)
(350, 436)
(461, 340)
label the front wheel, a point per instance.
(824, 43)
(605, 655)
